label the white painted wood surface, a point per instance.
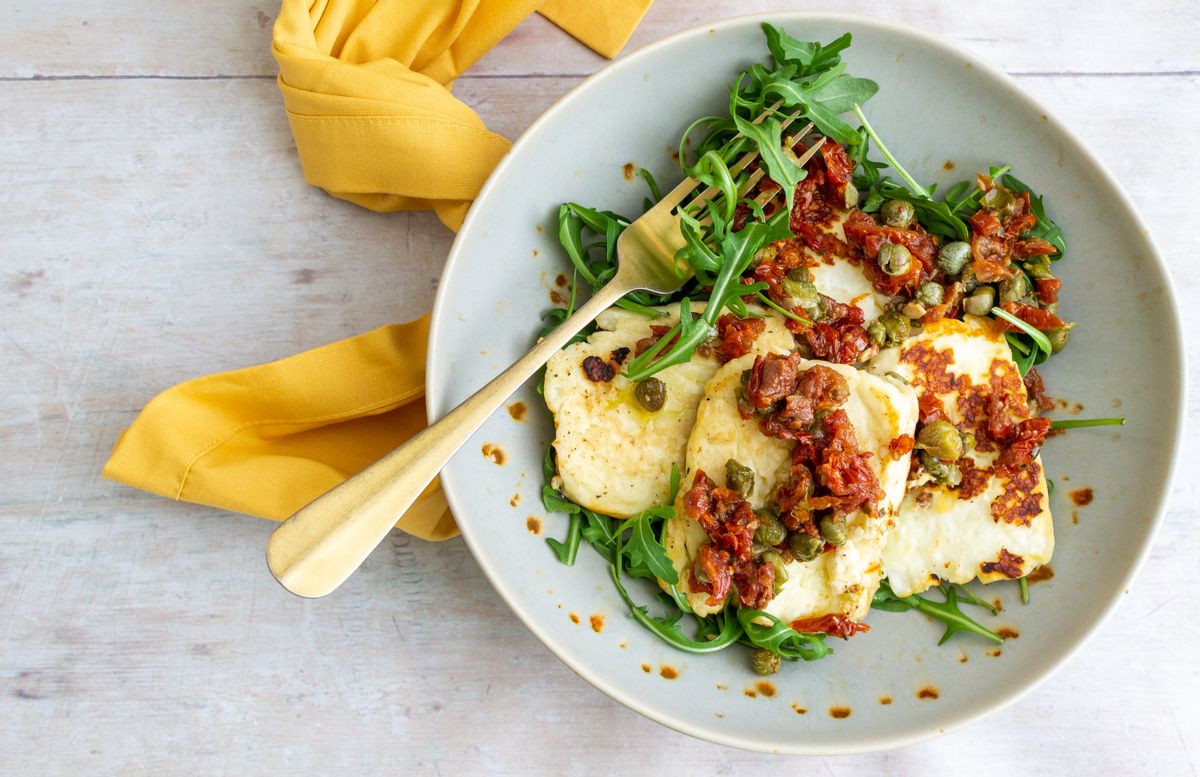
(154, 226)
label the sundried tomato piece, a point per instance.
(834, 624)
(1023, 249)
(735, 336)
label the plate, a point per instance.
(938, 107)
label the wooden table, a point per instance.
(154, 226)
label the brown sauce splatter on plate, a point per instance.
(928, 692)
(948, 165)
(840, 712)
(533, 525)
(517, 411)
(493, 452)
(800, 710)
(646, 668)
(963, 658)
(1007, 632)
(514, 500)
(597, 622)
(668, 672)
(994, 653)
(885, 700)
(574, 618)
(753, 694)
(765, 688)
(557, 299)
(722, 687)
(628, 171)
(560, 280)
(1041, 574)
(1082, 497)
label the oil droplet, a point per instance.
(765, 688)
(494, 453)
(668, 672)
(998, 603)
(1041, 574)
(994, 653)
(535, 252)
(753, 694)
(719, 714)
(963, 659)
(840, 712)
(623, 645)
(574, 618)
(800, 710)
(1007, 632)
(885, 700)
(628, 171)
(533, 525)
(1075, 517)
(928, 692)
(597, 622)
(517, 411)
(722, 687)
(948, 165)
(514, 500)
(540, 228)
(646, 668)
(557, 299)
(1082, 497)
(560, 280)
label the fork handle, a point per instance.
(321, 545)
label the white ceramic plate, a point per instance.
(936, 104)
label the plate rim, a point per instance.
(875, 742)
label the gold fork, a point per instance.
(315, 550)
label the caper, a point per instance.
(894, 259)
(1038, 268)
(765, 662)
(941, 440)
(651, 394)
(775, 560)
(896, 327)
(805, 547)
(833, 530)
(740, 478)
(1013, 288)
(770, 531)
(876, 333)
(913, 310)
(998, 198)
(766, 254)
(981, 302)
(898, 213)
(798, 285)
(946, 473)
(968, 279)
(930, 294)
(1058, 338)
(954, 257)
(968, 441)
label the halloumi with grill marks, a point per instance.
(843, 580)
(614, 456)
(1004, 529)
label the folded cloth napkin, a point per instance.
(366, 84)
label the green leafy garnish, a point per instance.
(947, 612)
(1035, 334)
(1045, 229)
(781, 638)
(1083, 423)
(1024, 590)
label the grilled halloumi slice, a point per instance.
(842, 279)
(614, 456)
(843, 580)
(1004, 529)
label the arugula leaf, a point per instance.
(1083, 423)
(1035, 334)
(947, 611)
(809, 57)
(1024, 590)
(782, 165)
(781, 638)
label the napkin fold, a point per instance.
(366, 86)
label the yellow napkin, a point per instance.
(366, 84)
